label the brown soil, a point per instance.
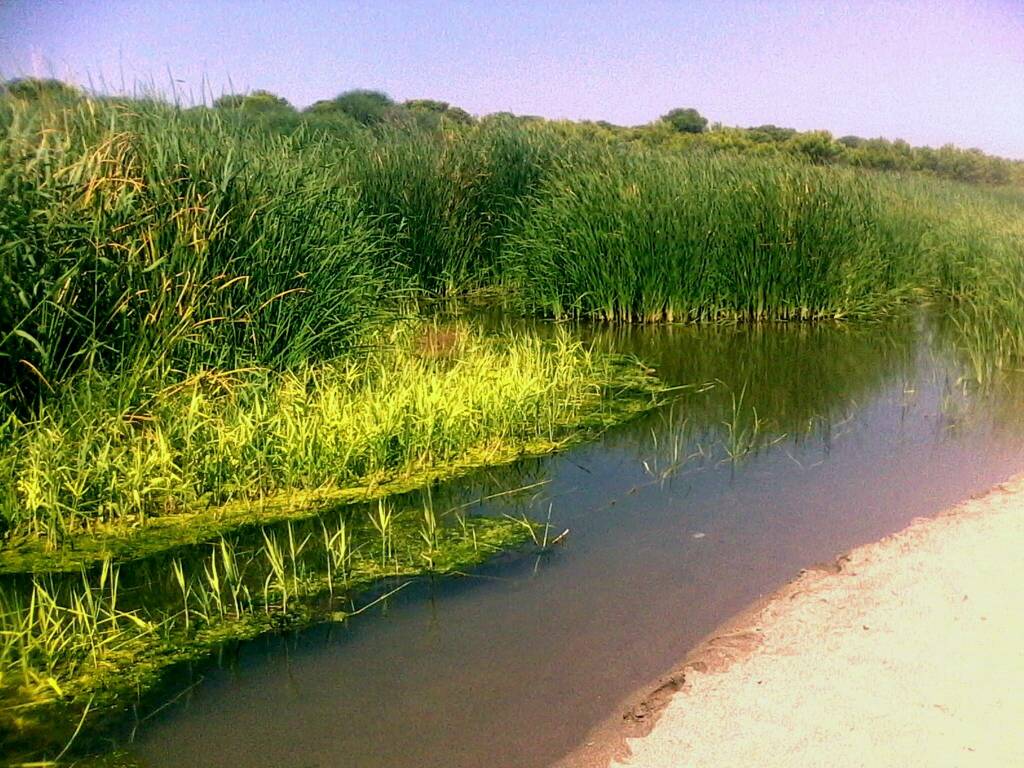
(905, 652)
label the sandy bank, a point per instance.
(909, 653)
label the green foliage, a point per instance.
(646, 236)
(200, 309)
(144, 243)
(817, 146)
(257, 101)
(771, 133)
(976, 238)
(122, 451)
(686, 120)
(150, 237)
(197, 238)
(451, 200)
(36, 89)
(442, 109)
(364, 106)
(76, 652)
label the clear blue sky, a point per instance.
(929, 71)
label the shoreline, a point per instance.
(713, 687)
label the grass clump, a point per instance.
(136, 236)
(981, 255)
(450, 201)
(641, 236)
(103, 455)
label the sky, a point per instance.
(928, 71)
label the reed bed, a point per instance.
(451, 201)
(137, 235)
(195, 309)
(641, 236)
(979, 247)
(199, 312)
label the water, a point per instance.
(841, 435)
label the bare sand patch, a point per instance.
(908, 652)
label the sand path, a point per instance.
(911, 654)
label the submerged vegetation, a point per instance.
(217, 318)
(76, 650)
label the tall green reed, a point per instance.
(642, 236)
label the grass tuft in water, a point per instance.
(102, 459)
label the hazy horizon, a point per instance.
(928, 72)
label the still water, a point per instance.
(789, 446)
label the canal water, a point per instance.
(784, 447)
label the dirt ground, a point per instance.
(910, 652)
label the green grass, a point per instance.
(207, 323)
(138, 235)
(980, 250)
(74, 653)
(196, 310)
(449, 202)
(103, 456)
(642, 236)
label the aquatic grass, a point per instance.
(198, 332)
(138, 235)
(71, 657)
(642, 236)
(450, 200)
(140, 230)
(338, 545)
(971, 241)
(429, 530)
(744, 429)
(381, 518)
(49, 637)
(89, 460)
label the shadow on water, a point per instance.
(789, 446)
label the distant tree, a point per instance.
(366, 107)
(459, 115)
(429, 105)
(229, 101)
(441, 108)
(330, 120)
(499, 117)
(39, 88)
(771, 133)
(257, 101)
(322, 107)
(816, 146)
(686, 120)
(852, 142)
